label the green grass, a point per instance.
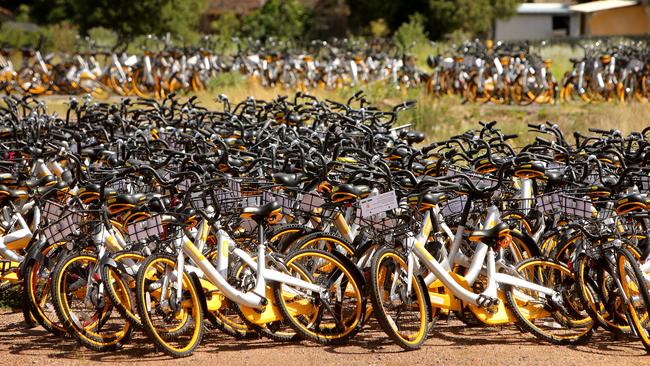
(560, 55)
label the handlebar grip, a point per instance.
(598, 130)
(511, 136)
(542, 141)
(534, 126)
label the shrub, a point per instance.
(411, 33)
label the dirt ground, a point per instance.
(451, 342)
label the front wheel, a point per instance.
(83, 306)
(38, 289)
(635, 289)
(171, 316)
(401, 312)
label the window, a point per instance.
(561, 25)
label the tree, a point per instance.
(126, 17)
(441, 16)
(282, 19)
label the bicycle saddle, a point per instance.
(490, 235)
(271, 212)
(6, 192)
(47, 180)
(414, 137)
(288, 179)
(349, 192)
(428, 200)
(531, 169)
(554, 176)
(631, 202)
(43, 190)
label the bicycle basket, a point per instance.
(144, 229)
(60, 222)
(548, 203)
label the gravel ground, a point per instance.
(450, 343)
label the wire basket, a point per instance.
(295, 202)
(387, 226)
(453, 207)
(548, 203)
(60, 221)
(144, 229)
(576, 206)
(392, 227)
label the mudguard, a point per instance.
(33, 255)
(427, 303)
(355, 271)
(528, 241)
(204, 303)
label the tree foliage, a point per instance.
(440, 16)
(283, 19)
(411, 33)
(126, 17)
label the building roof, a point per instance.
(543, 8)
(594, 6)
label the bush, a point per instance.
(411, 33)
(103, 37)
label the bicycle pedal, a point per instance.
(486, 302)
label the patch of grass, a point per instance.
(441, 117)
(11, 297)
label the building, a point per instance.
(545, 20)
(613, 18)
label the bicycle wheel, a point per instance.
(323, 241)
(38, 290)
(174, 324)
(635, 288)
(84, 308)
(596, 290)
(403, 315)
(122, 277)
(332, 316)
(560, 320)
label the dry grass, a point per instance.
(443, 117)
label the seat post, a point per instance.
(260, 285)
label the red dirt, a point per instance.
(450, 343)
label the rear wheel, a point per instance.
(332, 316)
(558, 319)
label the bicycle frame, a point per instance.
(255, 298)
(418, 254)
